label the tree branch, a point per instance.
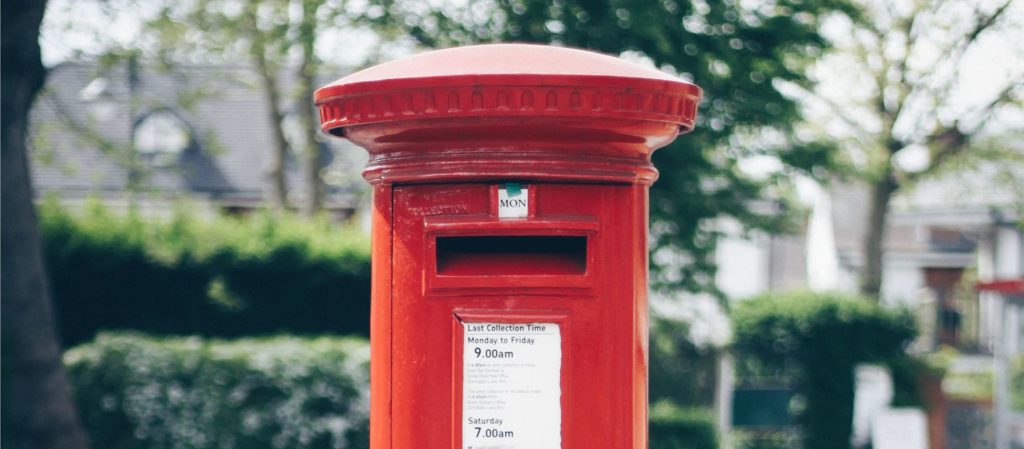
(273, 170)
(959, 48)
(886, 115)
(860, 135)
(946, 144)
(986, 112)
(109, 148)
(905, 86)
(950, 141)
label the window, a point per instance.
(161, 136)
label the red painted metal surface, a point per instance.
(1004, 286)
(444, 130)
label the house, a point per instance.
(945, 236)
(152, 136)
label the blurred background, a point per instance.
(837, 249)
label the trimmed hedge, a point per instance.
(220, 277)
(140, 392)
(673, 427)
(818, 339)
(135, 391)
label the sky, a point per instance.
(88, 27)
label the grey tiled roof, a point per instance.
(228, 118)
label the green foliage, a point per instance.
(767, 439)
(1017, 383)
(680, 371)
(960, 381)
(672, 427)
(135, 391)
(969, 385)
(907, 375)
(735, 51)
(212, 277)
(818, 339)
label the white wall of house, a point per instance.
(1008, 252)
(753, 263)
(742, 263)
(903, 281)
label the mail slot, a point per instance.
(497, 255)
(510, 181)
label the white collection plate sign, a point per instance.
(511, 386)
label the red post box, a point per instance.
(509, 305)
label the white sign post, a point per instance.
(873, 394)
(511, 386)
(900, 428)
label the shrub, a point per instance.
(218, 277)
(135, 391)
(1017, 383)
(673, 427)
(764, 439)
(819, 339)
(680, 370)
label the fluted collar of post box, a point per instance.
(506, 80)
(503, 95)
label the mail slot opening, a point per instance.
(511, 255)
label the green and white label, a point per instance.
(513, 201)
(511, 386)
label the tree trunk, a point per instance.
(311, 160)
(307, 110)
(37, 408)
(277, 189)
(878, 217)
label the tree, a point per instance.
(260, 44)
(736, 51)
(37, 407)
(277, 38)
(903, 67)
(214, 29)
(307, 32)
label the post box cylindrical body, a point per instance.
(510, 182)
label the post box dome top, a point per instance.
(506, 80)
(504, 59)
